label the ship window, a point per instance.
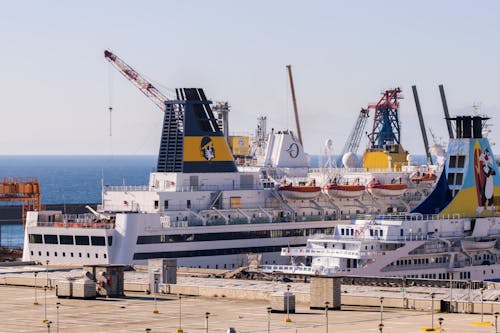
(156, 204)
(342, 232)
(66, 239)
(110, 240)
(188, 203)
(401, 232)
(459, 178)
(50, 239)
(64, 254)
(165, 204)
(39, 253)
(453, 161)
(98, 240)
(80, 254)
(31, 252)
(461, 161)
(451, 178)
(381, 233)
(48, 254)
(82, 240)
(97, 255)
(105, 255)
(71, 254)
(88, 255)
(35, 238)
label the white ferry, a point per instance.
(452, 234)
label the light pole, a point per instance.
(440, 321)
(469, 307)
(36, 299)
(451, 288)
(432, 311)
(326, 314)
(381, 327)
(482, 312)
(207, 314)
(496, 321)
(287, 319)
(47, 272)
(147, 330)
(179, 330)
(48, 326)
(57, 316)
(269, 309)
(45, 304)
(381, 310)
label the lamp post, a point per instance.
(326, 314)
(381, 310)
(451, 288)
(179, 330)
(45, 304)
(482, 312)
(48, 326)
(47, 272)
(440, 321)
(57, 316)
(269, 309)
(496, 321)
(469, 307)
(36, 299)
(287, 319)
(147, 330)
(432, 311)
(381, 327)
(207, 314)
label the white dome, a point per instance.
(349, 160)
(409, 157)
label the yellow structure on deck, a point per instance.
(392, 157)
(240, 146)
(26, 190)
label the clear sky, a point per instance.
(56, 86)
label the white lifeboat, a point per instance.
(386, 190)
(344, 191)
(299, 192)
(478, 244)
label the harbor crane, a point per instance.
(26, 190)
(140, 82)
(352, 143)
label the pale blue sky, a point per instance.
(54, 90)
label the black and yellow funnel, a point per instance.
(191, 140)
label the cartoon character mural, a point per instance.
(484, 173)
(207, 148)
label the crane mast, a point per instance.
(140, 82)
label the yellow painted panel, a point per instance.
(240, 145)
(205, 148)
(235, 202)
(465, 203)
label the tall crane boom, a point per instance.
(140, 82)
(352, 143)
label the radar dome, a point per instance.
(349, 160)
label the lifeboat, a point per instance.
(344, 191)
(426, 177)
(299, 192)
(386, 190)
(478, 244)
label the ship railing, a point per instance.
(196, 188)
(71, 224)
(412, 217)
(289, 269)
(326, 252)
(126, 188)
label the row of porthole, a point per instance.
(71, 254)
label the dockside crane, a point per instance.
(138, 80)
(354, 138)
(386, 126)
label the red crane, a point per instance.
(140, 82)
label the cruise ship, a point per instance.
(452, 234)
(202, 209)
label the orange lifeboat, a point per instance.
(386, 190)
(344, 191)
(300, 192)
(426, 177)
